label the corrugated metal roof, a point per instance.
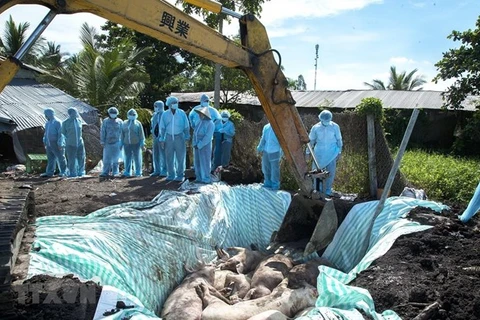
(23, 101)
(349, 99)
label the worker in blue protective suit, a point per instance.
(326, 141)
(159, 165)
(132, 140)
(202, 145)
(54, 145)
(195, 118)
(227, 131)
(174, 135)
(75, 148)
(110, 136)
(271, 152)
(473, 206)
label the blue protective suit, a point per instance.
(54, 145)
(110, 139)
(195, 118)
(175, 132)
(473, 206)
(202, 145)
(272, 153)
(132, 140)
(227, 131)
(217, 138)
(159, 163)
(75, 148)
(326, 141)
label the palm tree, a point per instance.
(51, 57)
(102, 78)
(14, 36)
(402, 81)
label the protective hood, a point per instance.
(72, 112)
(49, 113)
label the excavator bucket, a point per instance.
(311, 223)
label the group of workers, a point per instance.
(170, 130)
(211, 143)
(326, 142)
(64, 144)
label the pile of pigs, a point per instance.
(245, 284)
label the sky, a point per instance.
(358, 39)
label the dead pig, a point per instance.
(268, 275)
(306, 272)
(184, 303)
(283, 299)
(221, 278)
(243, 260)
(239, 284)
(270, 315)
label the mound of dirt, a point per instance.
(44, 297)
(440, 265)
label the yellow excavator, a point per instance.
(165, 22)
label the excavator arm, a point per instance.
(165, 22)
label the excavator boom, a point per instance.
(163, 21)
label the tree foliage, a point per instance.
(164, 64)
(399, 81)
(103, 77)
(463, 65)
(371, 105)
(213, 19)
(301, 84)
(14, 36)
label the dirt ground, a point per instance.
(439, 265)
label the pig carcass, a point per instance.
(269, 273)
(243, 260)
(184, 303)
(283, 299)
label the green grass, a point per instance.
(444, 178)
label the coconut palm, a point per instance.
(402, 81)
(50, 57)
(14, 36)
(102, 78)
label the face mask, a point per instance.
(112, 115)
(174, 106)
(73, 116)
(49, 117)
(224, 119)
(204, 104)
(130, 117)
(157, 109)
(325, 123)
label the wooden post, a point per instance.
(372, 163)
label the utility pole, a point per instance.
(316, 59)
(218, 71)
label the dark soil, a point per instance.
(45, 297)
(440, 265)
(436, 265)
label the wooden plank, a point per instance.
(372, 162)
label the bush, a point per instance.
(372, 106)
(469, 137)
(444, 178)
